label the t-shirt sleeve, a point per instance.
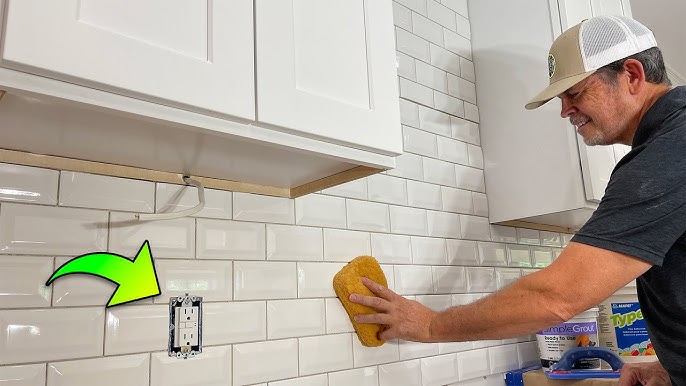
(643, 211)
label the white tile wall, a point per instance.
(264, 264)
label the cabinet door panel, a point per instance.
(573, 12)
(597, 163)
(195, 53)
(326, 68)
(611, 7)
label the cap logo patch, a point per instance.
(551, 65)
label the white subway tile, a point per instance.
(402, 16)
(527, 354)
(353, 189)
(254, 280)
(436, 302)
(476, 157)
(467, 70)
(557, 252)
(367, 376)
(503, 358)
(27, 184)
(439, 172)
(386, 189)
(471, 112)
(315, 380)
(461, 88)
(423, 195)
(80, 290)
(434, 121)
(103, 192)
(413, 279)
(292, 318)
(519, 255)
(448, 104)
(418, 6)
(480, 204)
(233, 322)
(475, 228)
(167, 238)
(207, 278)
(528, 236)
(463, 27)
(457, 200)
(453, 151)
(470, 178)
(528, 271)
(442, 224)
(409, 221)
(391, 249)
(320, 354)
(462, 252)
(22, 281)
(337, 319)
(415, 91)
(444, 59)
(457, 44)
(294, 243)
(132, 329)
(506, 276)
(320, 210)
(439, 370)
(492, 254)
(411, 44)
(367, 356)
(368, 216)
(315, 279)
(503, 234)
(211, 368)
(343, 245)
(542, 256)
(550, 239)
(265, 361)
(406, 373)
(453, 347)
(465, 130)
(440, 14)
(487, 343)
(413, 350)
(449, 280)
(45, 230)
(409, 166)
(253, 207)
(409, 113)
(427, 29)
(50, 334)
(174, 198)
(390, 275)
(235, 240)
(459, 6)
(463, 299)
(419, 142)
(429, 251)
(473, 363)
(481, 279)
(26, 375)
(566, 238)
(431, 76)
(110, 371)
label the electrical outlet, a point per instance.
(185, 326)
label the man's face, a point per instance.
(598, 110)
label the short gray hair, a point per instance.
(653, 66)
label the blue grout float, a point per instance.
(563, 368)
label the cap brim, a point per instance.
(556, 89)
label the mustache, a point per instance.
(577, 120)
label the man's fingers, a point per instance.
(371, 301)
(373, 318)
(378, 289)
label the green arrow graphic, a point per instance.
(136, 279)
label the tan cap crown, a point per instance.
(588, 46)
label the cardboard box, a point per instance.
(538, 378)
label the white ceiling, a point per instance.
(666, 18)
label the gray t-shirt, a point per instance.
(643, 214)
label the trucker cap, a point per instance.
(588, 46)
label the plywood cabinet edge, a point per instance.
(70, 164)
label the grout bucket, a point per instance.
(580, 331)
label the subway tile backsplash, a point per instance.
(264, 265)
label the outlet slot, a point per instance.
(185, 326)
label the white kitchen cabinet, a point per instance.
(193, 54)
(322, 69)
(538, 170)
(154, 90)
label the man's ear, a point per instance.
(636, 77)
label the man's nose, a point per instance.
(567, 107)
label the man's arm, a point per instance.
(580, 278)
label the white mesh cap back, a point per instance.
(606, 39)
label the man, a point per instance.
(611, 80)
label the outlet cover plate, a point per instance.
(176, 322)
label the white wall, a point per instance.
(264, 265)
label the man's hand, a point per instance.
(646, 374)
(404, 319)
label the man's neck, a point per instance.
(653, 93)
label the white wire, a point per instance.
(181, 213)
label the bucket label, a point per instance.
(554, 341)
(630, 330)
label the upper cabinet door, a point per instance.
(327, 69)
(611, 7)
(192, 54)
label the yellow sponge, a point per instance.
(347, 281)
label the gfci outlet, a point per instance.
(185, 326)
